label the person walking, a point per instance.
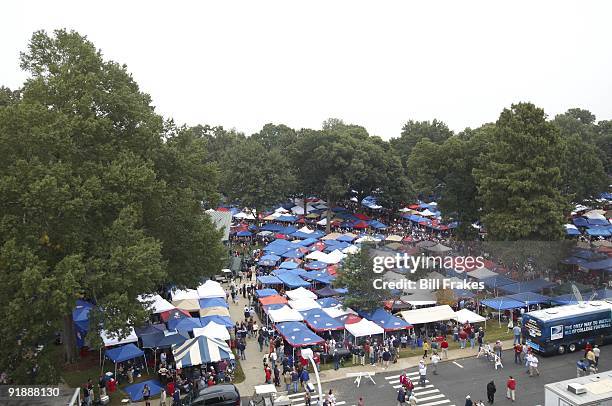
(491, 389)
(533, 365)
(412, 400)
(518, 350)
(596, 353)
(435, 358)
(401, 396)
(426, 348)
(511, 388)
(516, 331)
(422, 373)
(468, 401)
(444, 346)
(260, 341)
(498, 348)
(287, 381)
(581, 368)
(146, 394)
(307, 399)
(163, 397)
(295, 377)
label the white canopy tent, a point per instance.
(301, 305)
(364, 328)
(210, 289)
(468, 316)
(283, 314)
(316, 256)
(306, 230)
(322, 222)
(481, 273)
(112, 339)
(428, 314)
(351, 249)
(157, 304)
(244, 216)
(212, 330)
(338, 311)
(184, 294)
(300, 293)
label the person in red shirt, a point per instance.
(444, 346)
(511, 389)
(268, 373)
(170, 388)
(518, 350)
(463, 338)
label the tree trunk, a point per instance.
(329, 216)
(69, 339)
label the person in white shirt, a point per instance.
(596, 352)
(533, 365)
(435, 358)
(422, 373)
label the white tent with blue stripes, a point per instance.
(201, 350)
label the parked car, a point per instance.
(218, 395)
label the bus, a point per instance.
(567, 328)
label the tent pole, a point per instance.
(144, 355)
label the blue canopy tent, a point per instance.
(269, 280)
(598, 222)
(327, 301)
(534, 285)
(598, 232)
(266, 292)
(297, 334)
(344, 238)
(287, 218)
(564, 299)
(326, 291)
(580, 222)
(288, 230)
(387, 321)
(223, 320)
(150, 335)
(289, 265)
(293, 253)
(124, 353)
(337, 245)
(571, 231)
(530, 298)
(318, 320)
(502, 303)
(213, 302)
(306, 242)
(597, 265)
(201, 350)
(497, 281)
(244, 234)
(315, 265)
(292, 280)
(272, 227)
(318, 276)
(135, 391)
(377, 225)
(187, 324)
(268, 260)
(172, 338)
(80, 318)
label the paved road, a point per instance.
(454, 382)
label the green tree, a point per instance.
(414, 131)
(518, 182)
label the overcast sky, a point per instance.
(377, 63)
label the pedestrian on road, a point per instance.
(260, 341)
(533, 365)
(498, 362)
(468, 401)
(518, 350)
(597, 353)
(305, 377)
(491, 389)
(435, 358)
(401, 396)
(422, 373)
(307, 399)
(581, 368)
(412, 400)
(360, 402)
(511, 388)
(498, 348)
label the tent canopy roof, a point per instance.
(123, 353)
(428, 314)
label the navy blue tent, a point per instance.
(502, 303)
(318, 320)
(318, 276)
(598, 231)
(186, 324)
(293, 253)
(244, 234)
(266, 292)
(326, 292)
(223, 320)
(135, 391)
(343, 238)
(564, 299)
(377, 225)
(297, 334)
(573, 261)
(598, 222)
(287, 218)
(292, 281)
(530, 298)
(327, 302)
(534, 285)
(150, 335)
(213, 302)
(269, 280)
(571, 231)
(597, 265)
(580, 222)
(387, 321)
(272, 227)
(80, 317)
(123, 353)
(172, 338)
(497, 281)
(287, 230)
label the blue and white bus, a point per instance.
(568, 328)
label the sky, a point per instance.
(242, 64)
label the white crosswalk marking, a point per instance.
(439, 402)
(299, 397)
(432, 397)
(416, 385)
(426, 395)
(426, 392)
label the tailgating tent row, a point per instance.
(292, 280)
(387, 321)
(156, 303)
(363, 328)
(297, 334)
(300, 293)
(284, 314)
(269, 280)
(212, 330)
(328, 302)
(304, 304)
(318, 320)
(201, 350)
(266, 292)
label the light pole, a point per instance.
(309, 355)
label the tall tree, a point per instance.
(518, 183)
(414, 131)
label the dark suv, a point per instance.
(218, 395)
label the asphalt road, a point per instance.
(454, 382)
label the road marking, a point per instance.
(416, 388)
(417, 385)
(419, 400)
(459, 365)
(304, 404)
(439, 402)
(397, 376)
(427, 392)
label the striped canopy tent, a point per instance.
(201, 350)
